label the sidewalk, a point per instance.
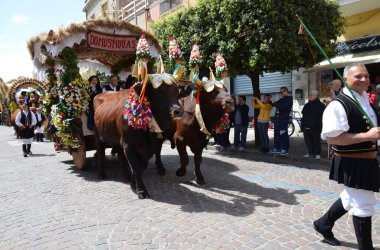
(296, 150)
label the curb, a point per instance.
(294, 158)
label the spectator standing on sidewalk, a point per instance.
(283, 108)
(311, 125)
(221, 132)
(241, 120)
(263, 120)
(372, 96)
(337, 87)
(354, 163)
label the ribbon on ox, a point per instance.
(143, 74)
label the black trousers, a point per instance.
(313, 141)
(222, 139)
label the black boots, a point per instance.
(24, 150)
(39, 137)
(325, 224)
(363, 230)
(28, 146)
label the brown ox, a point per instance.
(212, 105)
(133, 146)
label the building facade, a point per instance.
(137, 12)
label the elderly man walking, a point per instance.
(311, 125)
(354, 163)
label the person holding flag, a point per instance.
(350, 123)
(354, 163)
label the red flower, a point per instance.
(62, 114)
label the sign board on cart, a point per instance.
(111, 42)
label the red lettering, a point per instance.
(111, 42)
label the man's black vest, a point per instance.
(109, 88)
(358, 123)
(26, 120)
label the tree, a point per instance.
(255, 36)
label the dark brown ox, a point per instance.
(212, 105)
(133, 145)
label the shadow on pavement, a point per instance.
(223, 193)
(257, 156)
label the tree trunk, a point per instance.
(254, 76)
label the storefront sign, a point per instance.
(364, 44)
(111, 42)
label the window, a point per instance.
(169, 4)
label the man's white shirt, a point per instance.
(335, 120)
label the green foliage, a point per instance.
(254, 36)
(102, 76)
(69, 62)
(50, 93)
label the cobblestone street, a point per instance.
(250, 201)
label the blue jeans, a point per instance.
(263, 132)
(281, 136)
(240, 136)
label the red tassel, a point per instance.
(198, 94)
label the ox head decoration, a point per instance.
(214, 94)
(162, 94)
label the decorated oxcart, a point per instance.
(25, 90)
(60, 58)
(4, 104)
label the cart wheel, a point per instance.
(79, 157)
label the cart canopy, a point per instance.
(99, 44)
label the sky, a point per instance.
(22, 19)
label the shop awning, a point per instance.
(342, 61)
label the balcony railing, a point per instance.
(133, 9)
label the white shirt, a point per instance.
(18, 118)
(112, 87)
(335, 120)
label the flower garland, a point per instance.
(51, 95)
(64, 130)
(223, 125)
(74, 100)
(76, 96)
(138, 115)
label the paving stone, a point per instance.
(249, 202)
